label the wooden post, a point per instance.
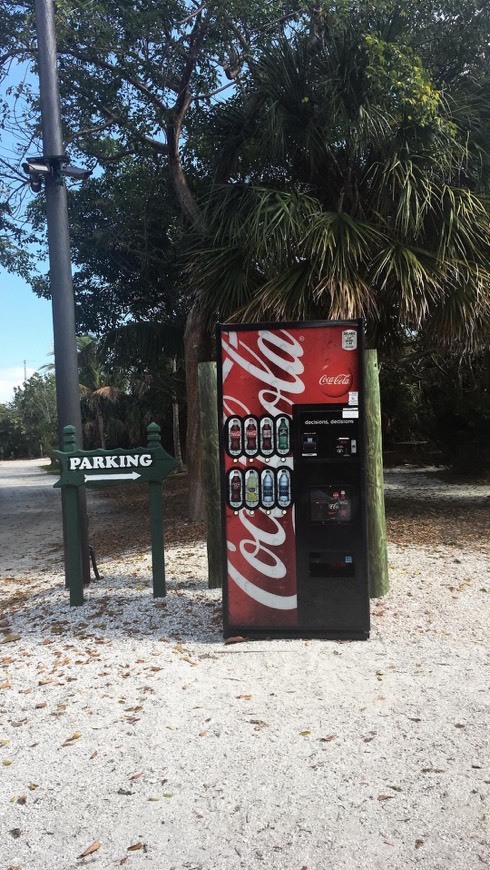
(211, 469)
(376, 522)
(73, 543)
(156, 521)
(73, 539)
(157, 555)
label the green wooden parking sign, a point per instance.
(149, 465)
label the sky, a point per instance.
(26, 333)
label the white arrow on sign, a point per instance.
(132, 476)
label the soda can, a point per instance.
(234, 436)
(235, 489)
(252, 488)
(267, 489)
(251, 436)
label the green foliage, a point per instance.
(126, 240)
(351, 192)
(343, 171)
(34, 411)
(13, 240)
(398, 80)
(441, 400)
(127, 381)
(11, 436)
(376, 110)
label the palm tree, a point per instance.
(350, 194)
(151, 353)
(94, 387)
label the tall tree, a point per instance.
(352, 191)
(139, 79)
(96, 387)
(11, 435)
(34, 405)
(133, 77)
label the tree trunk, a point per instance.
(197, 342)
(378, 556)
(100, 426)
(175, 419)
(211, 470)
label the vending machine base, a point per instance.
(273, 633)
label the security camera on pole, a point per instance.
(50, 169)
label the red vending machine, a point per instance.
(293, 479)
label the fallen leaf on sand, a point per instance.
(91, 849)
(71, 740)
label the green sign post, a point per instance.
(149, 465)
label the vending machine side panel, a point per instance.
(258, 372)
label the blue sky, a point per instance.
(26, 333)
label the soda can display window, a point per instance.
(330, 504)
(234, 436)
(251, 436)
(284, 487)
(267, 488)
(235, 489)
(252, 494)
(283, 435)
(266, 436)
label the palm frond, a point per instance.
(223, 279)
(412, 276)
(283, 297)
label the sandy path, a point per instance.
(30, 515)
(127, 726)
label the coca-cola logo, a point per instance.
(335, 384)
(264, 367)
(338, 379)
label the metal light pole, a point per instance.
(65, 347)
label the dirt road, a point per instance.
(30, 516)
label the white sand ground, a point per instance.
(130, 732)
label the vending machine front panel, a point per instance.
(292, 462)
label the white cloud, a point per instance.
(10, 378)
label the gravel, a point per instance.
(131, 734)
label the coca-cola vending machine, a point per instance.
(293, 479)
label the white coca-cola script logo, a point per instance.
(277, 367)
(258, 553)
(334, 383)
(337, 379)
